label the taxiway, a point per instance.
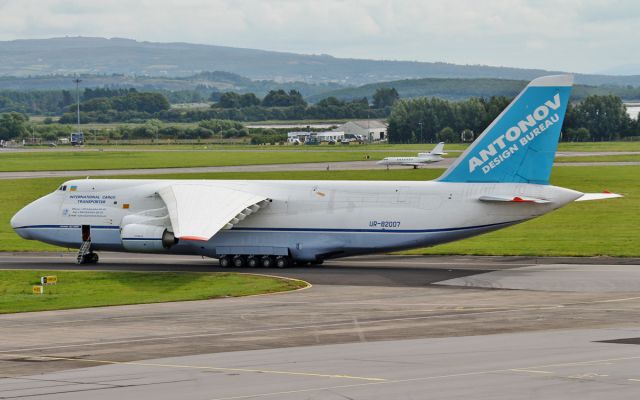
(369, 327)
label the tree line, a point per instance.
(16, 126)
(275, 105)
(417, 120)
(422, 120)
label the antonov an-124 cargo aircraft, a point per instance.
(502, 179)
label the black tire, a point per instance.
(267, 262)
(253, 262)
(225, 261)
(239, 261)
(93, 258)
(282, 262)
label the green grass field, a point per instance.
(98, 160)
(80, 289)
(599, 146)
(60, 161)
(608, 227)
(607, 158)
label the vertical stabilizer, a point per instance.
(438, 150)
(520, 144)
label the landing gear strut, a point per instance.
(86, 255)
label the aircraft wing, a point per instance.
(197, 212)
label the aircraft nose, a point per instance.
(44, 211)
(19, 223)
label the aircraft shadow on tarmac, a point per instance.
(333, 274)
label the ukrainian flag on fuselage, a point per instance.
(520, 144)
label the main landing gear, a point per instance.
(89, 258)
(86, 255)
(256, 261)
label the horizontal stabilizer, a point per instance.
(599, 196)
(513, 199)
(197, 212)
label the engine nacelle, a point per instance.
(146, 238)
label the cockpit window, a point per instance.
(63, 188)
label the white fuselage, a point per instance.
(422, 159)
(308, 219)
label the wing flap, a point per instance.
(198, 212)
(512, 199)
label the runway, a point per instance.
(370, 327)
(548, 365)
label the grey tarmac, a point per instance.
(544, 365)
(369, 327)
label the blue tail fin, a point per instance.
(520, 144)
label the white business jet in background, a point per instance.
(502, 179)
(433, 156)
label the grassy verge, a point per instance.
(608, 227)
(608, 158)
(599, 146)
(93, 160)
(80, 289)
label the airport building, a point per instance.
(330, 136)
(315, 137)
(372, 130)
(298, 137)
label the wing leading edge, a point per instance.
(198, 212)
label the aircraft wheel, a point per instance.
(282, 262)
(253, 262)
(225, 261)
(92, 258)
(267, 262)
(239, 261)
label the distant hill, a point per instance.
(124, 56)
(458, 89)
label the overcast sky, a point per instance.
(572, 35)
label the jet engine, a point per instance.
(146, 238)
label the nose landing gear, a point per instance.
(89, 258)
(86, 255)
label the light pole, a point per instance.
(77, 81)
(420, 125)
